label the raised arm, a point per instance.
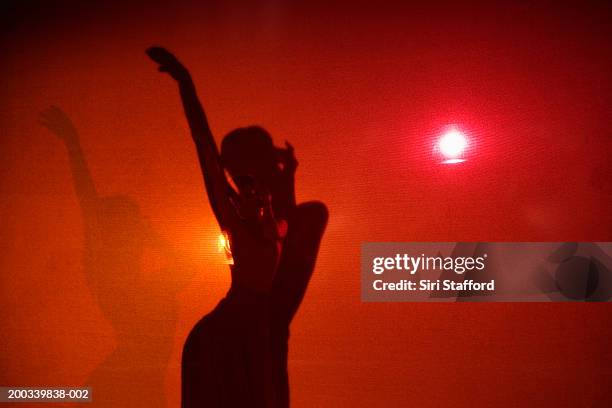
(284, 202)
(219, 190)
(60, 124)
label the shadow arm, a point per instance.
(60, 124)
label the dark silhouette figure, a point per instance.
(142, 309)
(236, 356)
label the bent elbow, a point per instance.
(316, 211)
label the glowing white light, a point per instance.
(453, 161)
(223, 245)
(451, 145)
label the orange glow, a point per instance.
(223, 245)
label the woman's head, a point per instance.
(249, 151)
(255, 197)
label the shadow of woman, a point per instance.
(141, 308)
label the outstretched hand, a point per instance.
(168, 62)
(54, 119)
(287, 158)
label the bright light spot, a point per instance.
(453, 161)
(452, 144)
(223, 245)
(222, 241)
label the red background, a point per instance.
(361, 90)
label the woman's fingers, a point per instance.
(54, 119)
(161, 55)
(167, 62)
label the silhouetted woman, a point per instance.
(236, 356)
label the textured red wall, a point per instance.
(361, 91)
